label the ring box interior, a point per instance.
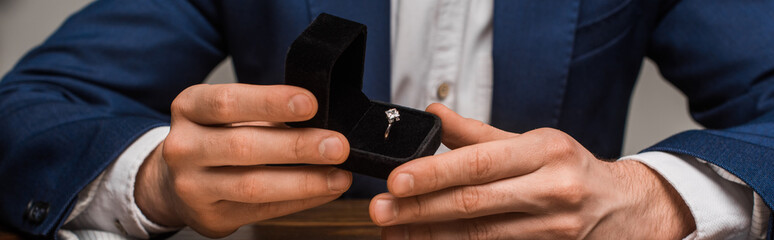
(327, 59)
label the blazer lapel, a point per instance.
(532, 49)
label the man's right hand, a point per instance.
(211, 172)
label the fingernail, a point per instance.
(331, 148)
(300, 105)
(338, 180)
(404, 184)
(395, 232)
(385, 210)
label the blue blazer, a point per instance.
(110, 72)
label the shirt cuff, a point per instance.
(721, 208)
(112, 207)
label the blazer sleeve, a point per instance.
(73, 104)
(720, 54)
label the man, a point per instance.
(101, 89)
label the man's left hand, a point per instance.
(538, 185)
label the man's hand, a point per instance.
(538, 185)
(211, 172)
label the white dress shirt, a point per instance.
(108, 205)
(441, 52)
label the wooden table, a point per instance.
(340, 219)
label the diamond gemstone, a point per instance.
(392, 115)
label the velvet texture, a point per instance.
(327, 59)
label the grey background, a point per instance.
(657, 109)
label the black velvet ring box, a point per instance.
(327, 59)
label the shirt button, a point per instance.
(120, 227)
(443, 91)
(36, 212)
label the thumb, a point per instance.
(459, 131)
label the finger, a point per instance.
(249, 213)
(232, 215)
(264, 145)
(264, 184)
(257, 124)
(232, 103)
(504, 226)
(476, 164)
(524, 194)
(459, 132)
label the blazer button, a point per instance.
(36, 212)
(443, 91)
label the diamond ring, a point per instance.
(392, 116)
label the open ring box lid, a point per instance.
(327, 59)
